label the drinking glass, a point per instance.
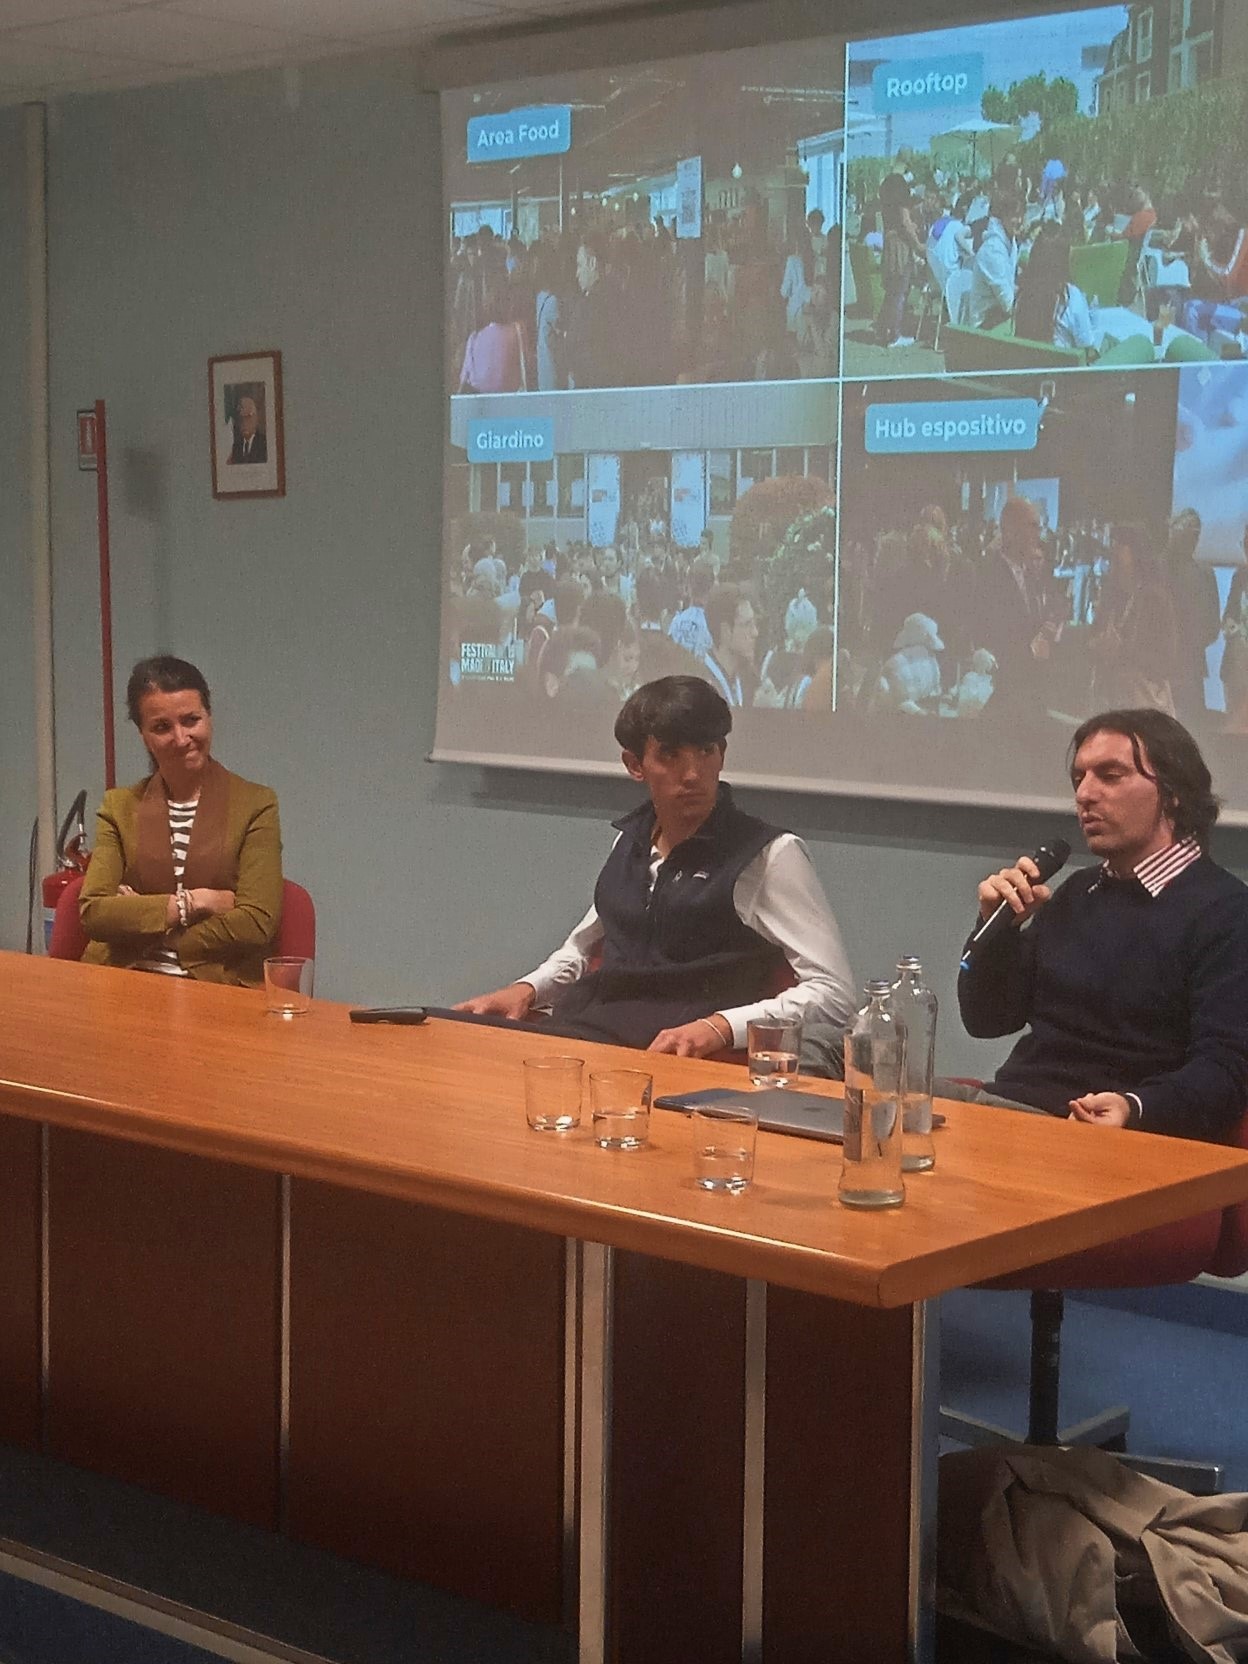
(773, 1051)
(288, 985)
(723, 1148)
(552, 1093)
(620, 1106)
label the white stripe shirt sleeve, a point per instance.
(569, 962)
(779, 895)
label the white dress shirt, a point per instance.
(778, 895)
(995, 275)
(953, 249)
(1073, 325)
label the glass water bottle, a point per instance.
(875, 1063)
(915, 1004)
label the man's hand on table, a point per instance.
(514, 1001)
(1101, 1109)
(699, 1038)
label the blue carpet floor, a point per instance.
(1184, 1383)
(1182, 1375)
(301, 1596)
(39, 1627)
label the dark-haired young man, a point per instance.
(1133, 976)
(699, 910)
(734, 632)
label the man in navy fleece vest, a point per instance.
(701, 912)
(1133, 976)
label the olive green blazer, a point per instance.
(236, 844)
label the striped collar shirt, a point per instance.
(1158, 870)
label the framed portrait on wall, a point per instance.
(245, 425)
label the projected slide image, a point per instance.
(671, 222)
(879, 382)
(1211, 509)
(1049, 192)
(576, 577)
(1007, 551)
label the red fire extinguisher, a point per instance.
(72, 858)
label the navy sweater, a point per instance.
(1125, 992)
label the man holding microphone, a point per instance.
(1131, 976)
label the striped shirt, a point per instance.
(164, 959)
(1164, 867)
(1156, 871)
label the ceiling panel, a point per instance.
(14, 13)
(357, 19)
(155, 35)
(52, 47)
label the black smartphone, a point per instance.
(388, 1014)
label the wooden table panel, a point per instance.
(164, 1293)
(426, 1413)
(19, 1283)
(677, 1463)
(164, 1334)
(838, 1480)
(323, 1099)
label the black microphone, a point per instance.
(1049, 858)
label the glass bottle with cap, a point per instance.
(915, 1004)
(875, 1064)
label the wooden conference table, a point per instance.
(322, 1278)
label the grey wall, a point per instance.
(304, 214)
(17, 754)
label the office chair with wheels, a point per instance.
(1213, 1244)
(296, 933)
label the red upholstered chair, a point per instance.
(1215, 1244)
(68, 937)
(296, 933)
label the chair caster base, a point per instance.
(1107, 1431)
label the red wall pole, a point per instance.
(106, 594)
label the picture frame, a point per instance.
(245, 434)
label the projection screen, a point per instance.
(897, 386)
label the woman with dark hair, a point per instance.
(1050, 307)
(1133, 644)
(186, 875)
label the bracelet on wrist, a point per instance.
(184, 909)
(716, 1030)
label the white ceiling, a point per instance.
(51, 48)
